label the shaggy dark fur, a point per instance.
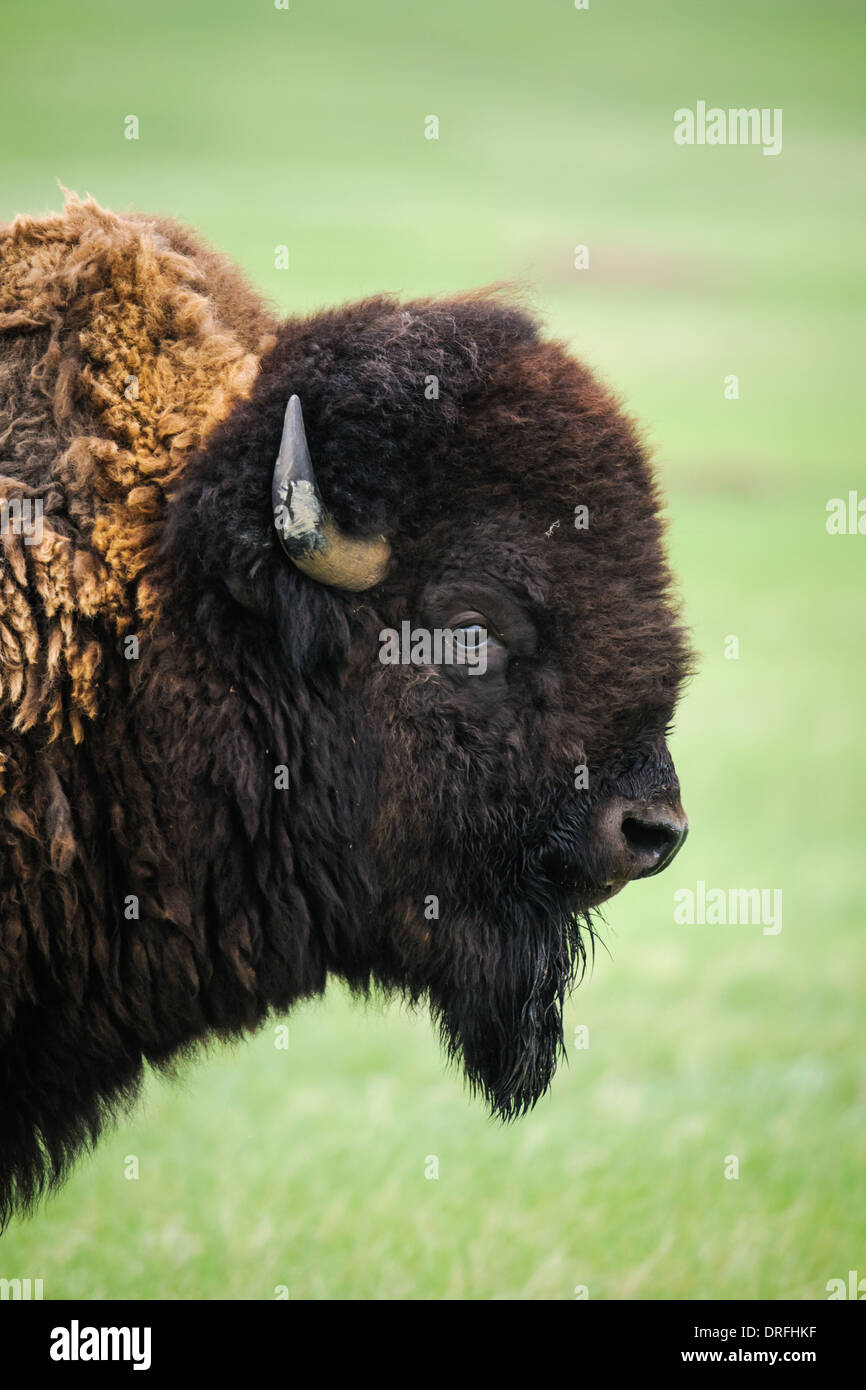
(157, 884)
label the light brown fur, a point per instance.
(123, 341)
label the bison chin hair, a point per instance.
(499, 1008)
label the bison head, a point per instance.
(443, 828)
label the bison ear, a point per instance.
(308, 534)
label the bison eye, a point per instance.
(476, 645)
(471, 633)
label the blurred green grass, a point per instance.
(305, 1168)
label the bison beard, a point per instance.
(502, 1011)
(166, 655)
(495, 975)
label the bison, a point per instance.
(214, 792)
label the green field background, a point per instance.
(304, 1168)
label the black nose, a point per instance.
(654, 838)
(638, 839)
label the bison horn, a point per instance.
(308, 534)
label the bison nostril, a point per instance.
(636, 839)
(653, 838)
